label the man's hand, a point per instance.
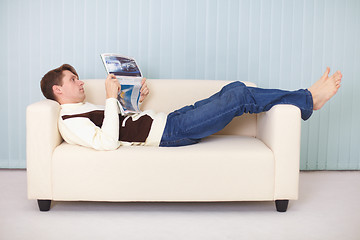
(144, 91)
(112, 86)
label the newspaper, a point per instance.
(129, 75)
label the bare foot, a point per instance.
(325, 88)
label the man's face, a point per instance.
(72, 90)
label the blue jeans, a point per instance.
(190, 124)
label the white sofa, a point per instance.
(255, 158)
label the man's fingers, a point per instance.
(145, 92)
(143, 87)
(111, 77)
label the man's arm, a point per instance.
(84, 132)
(110, 125)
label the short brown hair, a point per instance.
(54, 77)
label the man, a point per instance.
(103, 128)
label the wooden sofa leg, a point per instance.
(44, 205)
(281, 205)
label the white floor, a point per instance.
(328, 208)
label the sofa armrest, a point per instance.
(280, 130)
(42, 137)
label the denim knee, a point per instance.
(235, 84)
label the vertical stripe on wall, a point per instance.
(275, 44)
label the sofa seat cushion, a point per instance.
(220, 168)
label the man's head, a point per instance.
(62, 84)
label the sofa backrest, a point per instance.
(167, 95)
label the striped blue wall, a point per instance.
(278, 44)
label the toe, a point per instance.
(326, 73)
(336, 76)
(327, 70)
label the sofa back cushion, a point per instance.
(167, 95)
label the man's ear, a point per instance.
(56, 89)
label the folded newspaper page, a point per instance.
(129, 75)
